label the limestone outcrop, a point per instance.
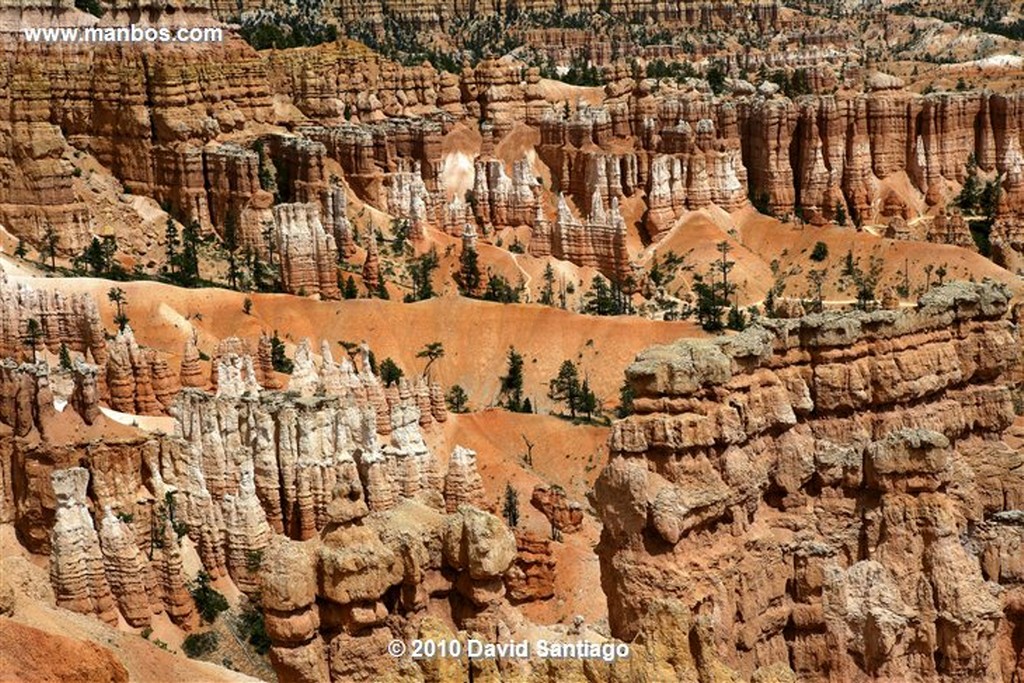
(138, 380)
(76, 562)
(532, 575)
(823, 486)
(26, 401)
(73, 321)
(308, 253)
(462, 483)
(565, 515)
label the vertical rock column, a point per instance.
(289, 584)
(126, 569)
(76, 561)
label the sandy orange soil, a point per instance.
(476, 334)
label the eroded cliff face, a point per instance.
(34, 322)
(829, 493)
(195, 128)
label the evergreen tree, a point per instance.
(173, 244)
(382, 289)
(231, 246)
(709, 314)
(190, 238)
(400, 230)
(421, 271)
(970, 194)
(626, 396)
(350, 290)
(432, 352)
(587, 400)
(65, 357)
(817, 279)
(33, 332)
(51, 240)
(209, 601)
(390, 373)
(769, 302)
(469, 272)
(599, 299)
(93, 257)
(278, 359)
(849, 265)
(724, 266)
(457, 399)
(840, 214)
(547, 294)
(566, 386)
(498, 289)
(21, 250)
(736, 320)
(117, 296)
(512, 382)
(510, 509)
(820, 252)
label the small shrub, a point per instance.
(820, 252)
(253, 560)
(457, 399)
(199, 644)
(390, 373)
(252, 626)
(247, 306)
(209, 601)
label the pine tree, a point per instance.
(278, 359)
(600, 299)
(840, 214)
(432, 352)
(390, 373)
(724, 266)
(117, 296)
(469, 273)
(65, 357)
(93, 257)
(51, 240)
(970, 195)
(173, 243)
(547, 294)
(457, 399)
(709, 314)
(566, 386)
(350, 290)
(587, 400)
(510, 510)
(512, 382)
(33, 332)
(190, 238)
(21, 250)
(736, 320)
(626, 396)
(421, 271)
(231, 246)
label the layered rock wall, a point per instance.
(826, 491)
(73, 321)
